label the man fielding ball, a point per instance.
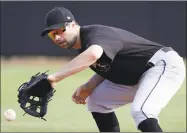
(129, 69)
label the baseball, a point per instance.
(10, 115)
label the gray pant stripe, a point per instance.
(153, 89)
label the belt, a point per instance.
(150, 64)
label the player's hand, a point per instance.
(81, 93)
(52, 80)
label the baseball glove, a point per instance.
(34, 95)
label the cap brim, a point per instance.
(52, 27)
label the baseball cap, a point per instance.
(56, 18)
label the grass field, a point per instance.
(65, 116)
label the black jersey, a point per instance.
(125, 54)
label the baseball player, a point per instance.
(128, 69)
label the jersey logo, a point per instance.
(101, 67)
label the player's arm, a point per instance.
(81, 93)
(94, 81)
(79, 63)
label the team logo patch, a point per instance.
(101, 67)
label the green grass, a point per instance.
(65, 116)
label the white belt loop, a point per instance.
(159, 55)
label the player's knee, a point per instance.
(141, 115)
(94, 105)
(137, 116)
(91, 104)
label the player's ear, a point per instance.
(74, 23)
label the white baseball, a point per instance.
(10, 115)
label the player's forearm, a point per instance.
(76, 65)
(94, 81)
(79, 63)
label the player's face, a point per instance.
(64, 37)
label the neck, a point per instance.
(78, 40)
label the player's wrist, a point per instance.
(89, 85)
(52, 78)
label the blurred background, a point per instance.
(24, 53)
(23, 22)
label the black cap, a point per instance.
(56, 18)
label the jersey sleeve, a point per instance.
(110, 45)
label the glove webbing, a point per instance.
(32, 100)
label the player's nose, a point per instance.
(57, 37)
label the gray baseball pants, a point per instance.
(149, 96)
